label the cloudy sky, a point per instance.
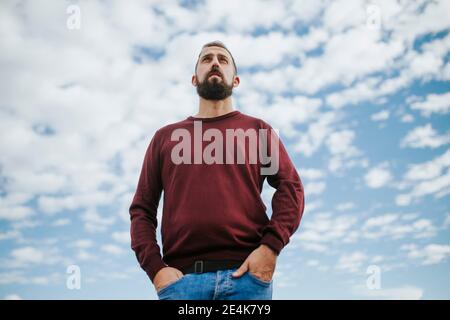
(359, 91)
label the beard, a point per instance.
(214, 89)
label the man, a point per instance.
(218, 242)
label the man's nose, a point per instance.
(215, 62)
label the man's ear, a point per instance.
(236, 81)
(194, 80)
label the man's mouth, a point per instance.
(215, 74)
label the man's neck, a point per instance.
(214, 108)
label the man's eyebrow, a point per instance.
(211, 54)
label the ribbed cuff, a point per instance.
(153, 269)
(272, 242)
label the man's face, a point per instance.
(215, 76)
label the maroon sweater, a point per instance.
(211, 211)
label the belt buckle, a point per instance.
(200, 264)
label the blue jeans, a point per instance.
(218, 285)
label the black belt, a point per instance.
(201, 266)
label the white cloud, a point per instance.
(429, 169)
(311, 173)
(429, 254)
(391, 226)
(12, 297)
(85, 255)
(314, 247)
(123, 206)
(295, 110)
(380, 220)
(122, 237)
(407, 118)
(61, 222)
(313, 138)
(28, 255)
(377, 259)
(10, 234)
(363, 90)
(339, 142)
(401, 19)
(25, 224)
(342, 14)
(380, 116)
(378, 177)
(112, 249)
(323, 229)
(344, 153)
(359, 52)
(18, 277)
(12, 206)
(425, 136)
(432, 103)
(312, 188)
(351, 262)
(345, 206)
(445, 72)
(15, 213)
(425, 64)
(446, 222)
(83, 243)
(400, 293)
(312, 263)
(428, 178)
(94, 222)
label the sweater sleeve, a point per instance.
(287, 201)
(143, 212)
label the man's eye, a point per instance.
(224, 60)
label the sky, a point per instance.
(359, 91)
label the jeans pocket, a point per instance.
(258, 280)
(170, 285)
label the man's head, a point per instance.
(215, 72)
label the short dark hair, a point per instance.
(220, 44)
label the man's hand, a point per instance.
(261, 263)
(166, 276)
